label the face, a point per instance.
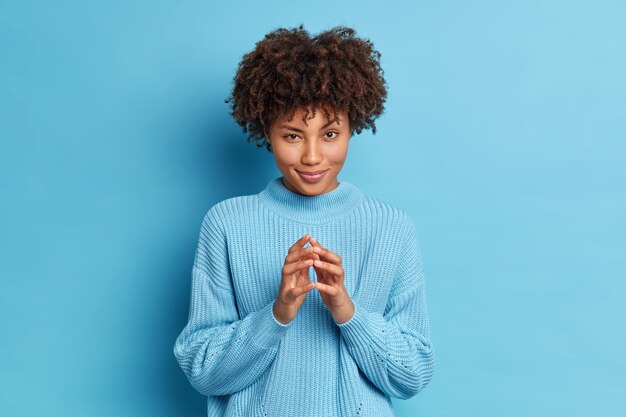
(301, 151)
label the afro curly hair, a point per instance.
(290, 70)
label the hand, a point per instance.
(330, 275)
(294, 283)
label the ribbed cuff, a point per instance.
(268, 331)
(356, 332)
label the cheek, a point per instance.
(286, 155)
(337, 154)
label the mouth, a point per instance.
(313, 176)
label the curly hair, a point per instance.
(290, 70)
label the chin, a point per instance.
(309, 189)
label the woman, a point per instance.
(279, 328)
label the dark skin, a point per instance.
(295, 282)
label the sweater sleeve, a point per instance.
(219, 352)
(394, 349)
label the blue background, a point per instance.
(503, 137)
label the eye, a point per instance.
(331, 137)
(291, 137)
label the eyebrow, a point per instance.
(300, 130)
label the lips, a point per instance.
(312, 172)
(313, 176)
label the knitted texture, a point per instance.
(247, 363)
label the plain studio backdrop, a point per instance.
(503, 137)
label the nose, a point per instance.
(312, 153)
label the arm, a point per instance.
(394, 349)
(220, 353)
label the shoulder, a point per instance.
(387, 213)
(230, 211)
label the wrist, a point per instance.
(344, 315)
(279, 316)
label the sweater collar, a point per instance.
(310, 209)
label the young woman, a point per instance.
(308, 298)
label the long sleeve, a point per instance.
(394, 349)
(219, 352)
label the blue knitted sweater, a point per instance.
(247, 363)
